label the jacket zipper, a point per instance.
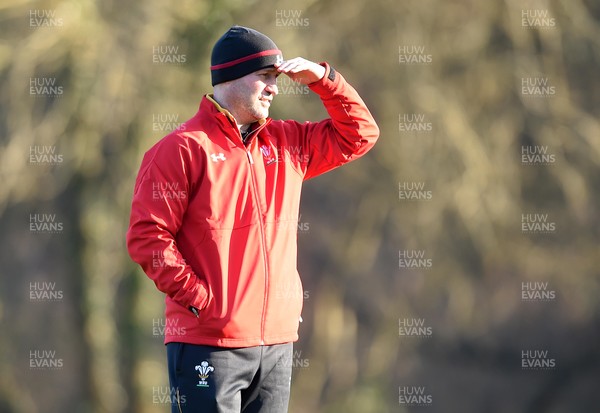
(262, 237)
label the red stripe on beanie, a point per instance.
(245, 59)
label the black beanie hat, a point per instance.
(241, 51)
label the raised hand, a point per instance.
(301, 70)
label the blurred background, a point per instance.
(455, 268)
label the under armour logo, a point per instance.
(216, 157)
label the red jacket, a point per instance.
(213, 222)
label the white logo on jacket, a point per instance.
(216, 157)
(268, 154)
(204, 369)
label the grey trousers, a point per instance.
(208, 379)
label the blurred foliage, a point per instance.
(351, 355)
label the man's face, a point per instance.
(250, 97)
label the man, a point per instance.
(214, 220)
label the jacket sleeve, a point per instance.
(160, 200)
(349, 133)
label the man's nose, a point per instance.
(272, 88)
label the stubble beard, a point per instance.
(256, 109)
